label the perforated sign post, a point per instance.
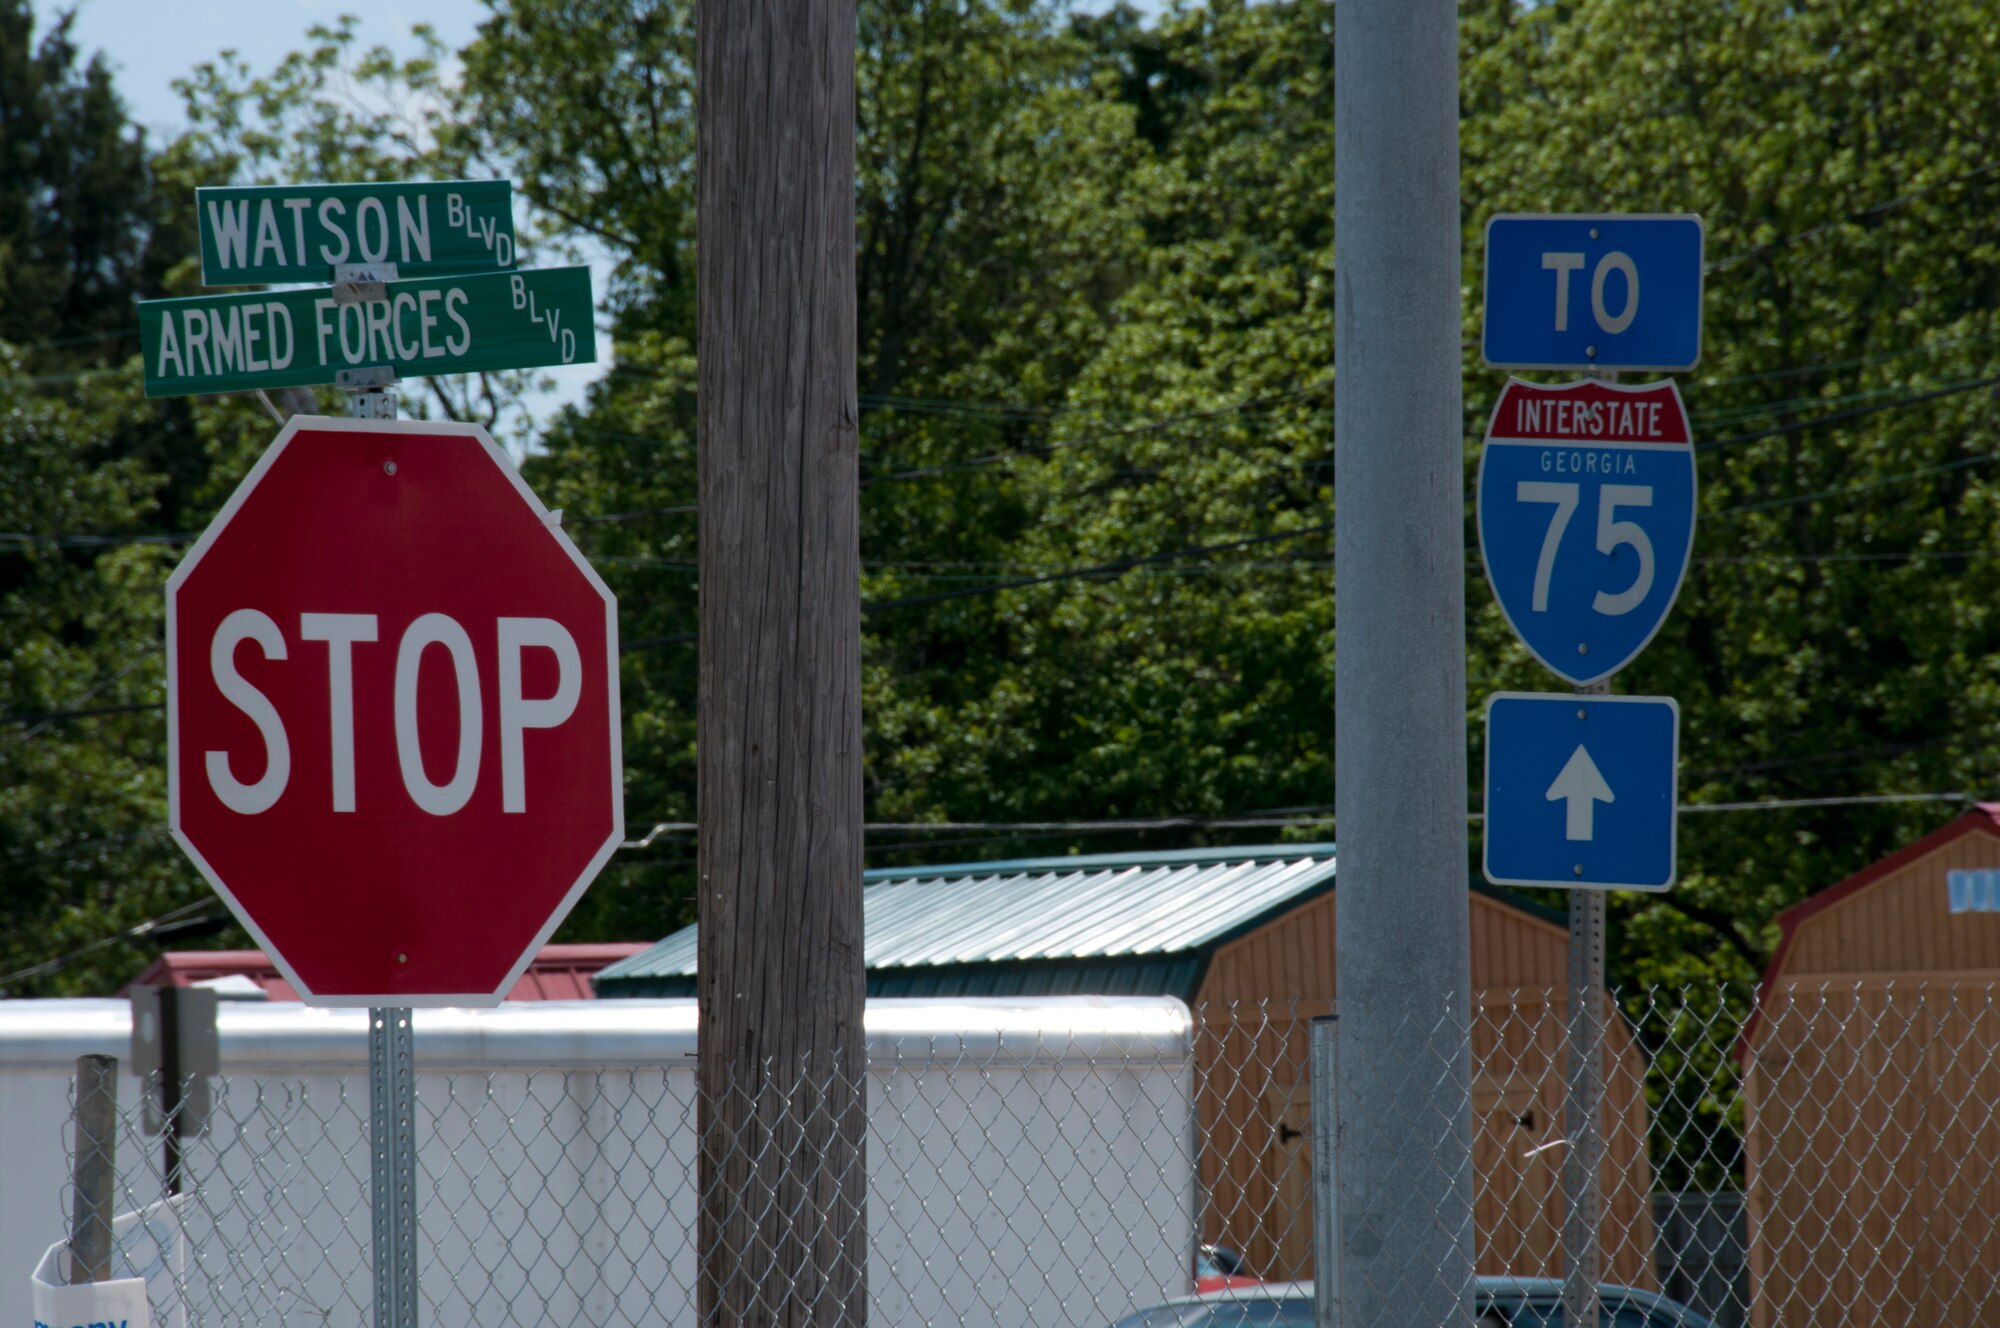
(392, 740)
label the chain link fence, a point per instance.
(1824, 1156)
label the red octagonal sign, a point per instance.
(392, 713)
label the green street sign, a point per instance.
(297, 338)
(253, 235)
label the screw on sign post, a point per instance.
(393, 738)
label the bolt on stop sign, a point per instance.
(392, 713)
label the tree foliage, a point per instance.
(1096, 264)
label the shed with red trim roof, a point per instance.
(1871, 1064)
(557, 973)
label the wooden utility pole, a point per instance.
(782, 1240)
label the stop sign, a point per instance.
(392, 713)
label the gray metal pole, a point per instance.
(95, 1171)
(1583, 1090)
(392, 1137)
(1406, 1239)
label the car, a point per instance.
(1219, 1268)
(1498, 1302)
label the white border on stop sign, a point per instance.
(345, 424)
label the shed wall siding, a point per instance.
(1250, 1058)
(1291, 958)
(1868, 1131)
(1902, 923)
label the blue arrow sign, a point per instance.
(1581, 791)
(1593, 292)
(1586, 518)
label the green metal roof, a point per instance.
(1130, 924)
(1033, 921)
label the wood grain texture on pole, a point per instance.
(782, 1184)
(96, 1169)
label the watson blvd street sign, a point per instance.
(300, 338)
(392, 713)
(1581, 791)
(1593, 292)
(251, 235)
(1586, 518)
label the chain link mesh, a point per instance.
(1827, 1156)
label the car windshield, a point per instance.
(1293, 1312)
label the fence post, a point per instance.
(1324, 1054)
(96, 1172)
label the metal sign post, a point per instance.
(423, 282)
(392, 1134)
(1554, 816)
(1583, 1097)
(1583, 1094)
(392, 1078)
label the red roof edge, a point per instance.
(558, 972)
(1983, 816)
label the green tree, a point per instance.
(94, 483)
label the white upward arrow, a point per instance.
(1583, 786)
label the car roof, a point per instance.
(1484, 1284)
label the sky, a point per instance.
(150, 43)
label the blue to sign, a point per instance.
(1581, 791)
(1586, 518)
(1584, 292)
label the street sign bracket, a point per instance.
(365, 380)
(363, 283)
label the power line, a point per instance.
(1024, 451)
(1099, 569)
(1854, 362)
(92, 712)
(1892, 556)
(24, 540)
(1254, 821)
(1771, 504)
(1858, 800)
(132, 933)
(1842, 416)
(1812, 232)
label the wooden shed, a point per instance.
(1246, 937)
(1871, 1090)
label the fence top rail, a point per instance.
(260, 1036)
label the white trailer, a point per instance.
(1031, 1161)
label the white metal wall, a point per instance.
(1030, 1160)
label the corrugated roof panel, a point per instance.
(1115, 906)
